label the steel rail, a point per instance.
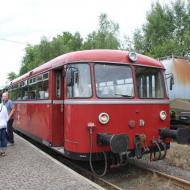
(173, 179)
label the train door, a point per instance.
(57, 109)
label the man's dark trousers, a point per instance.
(10, 136)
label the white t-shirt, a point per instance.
(3, 116)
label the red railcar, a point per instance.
(88, 102)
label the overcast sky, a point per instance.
(26, 21)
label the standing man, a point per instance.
(3, 126)
(10, 108)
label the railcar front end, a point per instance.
(116, 110)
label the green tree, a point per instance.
(105, 37)
(166, 30)
(11, 76)
(139, 42)
(36, 55)
(66, 43)
(126, 44)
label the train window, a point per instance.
(23, 90)
(39, 78)
(31, 92)
(78, 81)
(13, 95)
(39, 90)
(30, 81)
(15, 92)
(19, 94)
(24, 95)
(42, 90)
(34, 80)
(149, 82)
(114, 81)
(58, 84)
(46, 89)
(45, 76)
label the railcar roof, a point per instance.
(114, 56)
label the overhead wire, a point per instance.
(13, 41)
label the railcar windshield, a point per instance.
(149, 82)
(114, 81)
(78, 81)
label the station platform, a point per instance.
(27, 167)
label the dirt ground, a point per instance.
(179, 155)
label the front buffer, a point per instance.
(118, 144)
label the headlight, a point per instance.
(132, 56)
(103, 118)
(163, 115)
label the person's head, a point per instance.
(5, 96)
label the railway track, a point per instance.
(102, 181)
(173, 179)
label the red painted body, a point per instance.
(79, 115)
(31, 118)
(66, 124)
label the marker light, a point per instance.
(163, 115)
(132, 56)
(104, 118)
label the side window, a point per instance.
(31, 94)
(78, 81)
(24, 90)
(58, 84)
(18, 92)
(38, 87)
(32, 91)
(34, 88)
(42, 90)
(46, 89)
(40, 94)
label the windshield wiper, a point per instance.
(124, 95)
